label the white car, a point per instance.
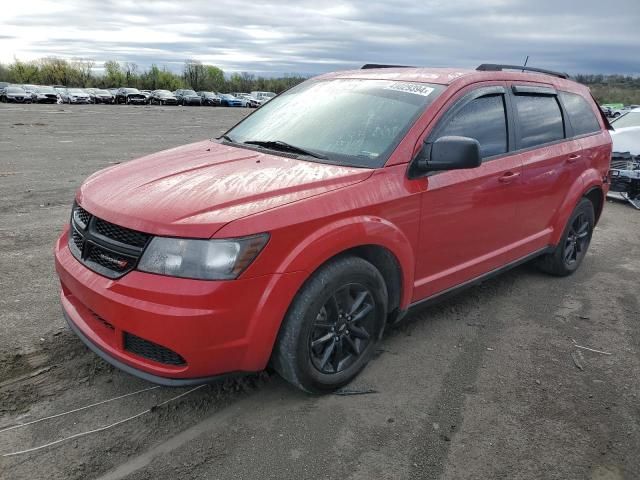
(264, 97)
(626, 132)
(619, 112)
(625, 160)
(74, 95)
(626, 140)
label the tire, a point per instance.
(573, 246)
(317, 349)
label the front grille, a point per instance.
(106, 259)
(105, 248)
(81, 216)
(152, 351)
(77, 240)
(121, 234)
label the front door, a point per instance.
(468, 216)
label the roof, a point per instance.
(442, 76)
(447, 76)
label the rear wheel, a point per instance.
(572, 248)
(332, 327)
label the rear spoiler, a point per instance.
(602, 115)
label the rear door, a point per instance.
(552, 159)
(595, 141)
(467, 216)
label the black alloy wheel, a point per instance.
(577, 240)
(332, 326)
(343, 328)
(571, 250)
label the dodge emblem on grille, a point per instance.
(114, 261)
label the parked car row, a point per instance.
(129, 96)
(616, 111)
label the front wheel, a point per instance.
(572, 248)
(332, 327)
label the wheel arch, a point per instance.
(373, 239)
(595, 195)
(588, 185)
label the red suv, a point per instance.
(324, 216)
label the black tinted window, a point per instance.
(483, 119)
(581, 116)
(540, 119)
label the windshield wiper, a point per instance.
(227, 138)
(284, 147)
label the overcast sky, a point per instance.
(310, 37)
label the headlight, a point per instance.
(201, 259)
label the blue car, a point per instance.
(227, 100)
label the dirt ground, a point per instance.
(488, 385)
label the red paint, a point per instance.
(444, 229)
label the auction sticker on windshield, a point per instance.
(410, 87)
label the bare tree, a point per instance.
(195, 74)
(130, 72)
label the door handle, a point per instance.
(509, 177)
(573, 158)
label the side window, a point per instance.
(540, 119)
(581, 116)
(483, 119)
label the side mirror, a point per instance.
(450, 153)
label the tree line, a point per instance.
(613, 88)
(84, 74)
(198, 76)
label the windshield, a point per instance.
(46, 90)
(351, 122)
(75, 91)
(226, 96)
(131, 90)
(189, 92)
(631, 119)
(15, 90)
(101, 92)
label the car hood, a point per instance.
(196, 189)
(626, 140)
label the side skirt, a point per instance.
(450, 292)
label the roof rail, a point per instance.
(369, 66)
(493, 67)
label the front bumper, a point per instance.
(80, 100)
(217, 327)
(47, 99)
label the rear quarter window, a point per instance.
(540, 120)
(581, 116)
